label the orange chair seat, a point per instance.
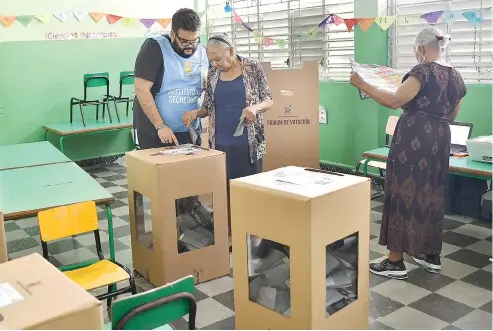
(97, 275)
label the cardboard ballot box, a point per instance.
(178, 213)
(35, 295)
(300, 250)
(3, 241)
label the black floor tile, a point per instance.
(199, 296)
(121, 231)
(441, 307)
(102, 215)
(451, 327)
(471, 258)
(377, 280)
(117, 204)
(381, 306)
(226, 299)
(63, 246)
(430, 281)
(449, 224)
(107, 184)
(225, 324)
(32, 231)
(11, 226)
(119, 246)
(21, 244)
(114, 177)
(479, 278)
(378, 209)
(486, 307)
(458, 239)
(121, 195)
(483, 224)
(180, 324)
(379, 326)
(375, 255)
(488, 239)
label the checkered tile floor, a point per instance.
(458, 298)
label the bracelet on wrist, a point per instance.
(160, 126)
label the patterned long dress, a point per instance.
(417, 167)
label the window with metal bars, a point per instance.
(289, 21)
(471, 49)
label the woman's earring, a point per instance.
(421, 59)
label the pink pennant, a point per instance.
(237, 18)
(268, 42)
(148, 22)
(337, 20)
(112, 19)
(432, 18)
(350, 22)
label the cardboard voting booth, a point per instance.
(292, 131)
(178, 213)
(3, 241)
(35, 295)
(300, 250)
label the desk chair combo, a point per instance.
(156, 308)
(102, 80)
(77, 219)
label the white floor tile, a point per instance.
(482, 246)
(474, 231)
(209, 311)
(466, 293)
(456, 270)
(408, 318)
(476, 320)
(216, 286)
(400, 291)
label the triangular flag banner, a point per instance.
(350, 22)
(384, 22)
(80, 15)
(338, 20)
(246, 26)
(365, 23)
(96, 16)
(409, 19)
(62, 17)
(449, 17)
(237, 18)
(473, 17)
(432, 18)
(312, 33)
(268, 42)
(45, 18)
(148, 22)
(258, 38)
(164, 22)
(112, 19)
(7, 21)
(128, 21)
(227, 8)
(25, 19)
(280, 43)
(326, 21)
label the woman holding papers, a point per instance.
(417, 165)
(237, 94)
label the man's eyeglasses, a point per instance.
(186, 42)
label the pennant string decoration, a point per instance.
(112, 19)
(227, 8)
(268, 42)
(449, 17)
(7, 21)
(384, 22)
(62, 17)
(350, 22)
(365, 23)
(97, 17)
(164, 22)
(473, 17)
(246, 26)
(128, 21)
(237, 18)
(79, 15)
(432, 18)
(326, 21)
(148, 22)
(25, 19)
(338, 20)
(43, 18)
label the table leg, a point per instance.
(61, 144)
(46, 134)
(365, 167)
(109, 215)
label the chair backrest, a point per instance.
(157, 307)
(127, 78)
(390, 128)
(62, 222)
(96, 80)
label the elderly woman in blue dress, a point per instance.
(236, 87)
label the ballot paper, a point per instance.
(183, 149)
(193, 134)
(240, 128)
(383, 78)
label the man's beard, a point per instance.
(181, 52)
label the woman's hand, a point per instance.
(250, 114)
(356, 80)
(189, 117)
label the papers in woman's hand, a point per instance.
(193, 134)
(240, 128)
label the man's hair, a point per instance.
(185, 19)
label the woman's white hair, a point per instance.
(433, 37)
(221, 39)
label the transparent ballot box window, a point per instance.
(194, 222)
(269, 274)
(341, 274)
(143, 220)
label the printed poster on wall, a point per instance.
(381, 77)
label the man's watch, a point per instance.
(160, 126)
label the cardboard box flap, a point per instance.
(299, 181)
(173, 154)
(33, 292)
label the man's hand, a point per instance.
(167, 136)
(189, 117)
(250, 113)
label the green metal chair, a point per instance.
(92, 81)
(156, 308)
(126, 78)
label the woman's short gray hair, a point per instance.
(432, 37)
(221, 39)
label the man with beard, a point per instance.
(169, 80)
